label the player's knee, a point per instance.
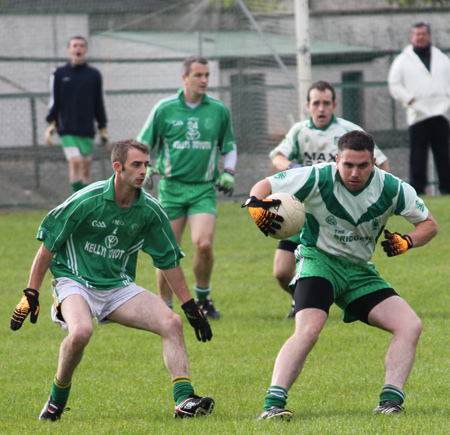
(204, 247)
(79, 337)
(281, 273)
(76, 166)
(415, 327)
(284, 265)
(76, 161)
(309, 334)
(411, 328)
(173, 324)
(284, 277)
(277, 272)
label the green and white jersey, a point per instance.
(310, 145)
(188, 140)
(97, 243)
(344, 223)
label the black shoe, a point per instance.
(208, 308)
(51, 411)
(276, 412)
(389, 407)
(291, 314)
(194, 406)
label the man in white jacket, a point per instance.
(420, 78)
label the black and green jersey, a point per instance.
(344, 223)
(97, 243)
(187, 139)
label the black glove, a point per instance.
(28, 304)
(104, 137)
(266, 220)
(197, 320)
(396, 244)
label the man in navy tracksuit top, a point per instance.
(76, 101)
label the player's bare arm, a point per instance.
(175, 279)
(396, 243)
(177, 282)
(29, 304)
(281, 162)
(424, 231)
(41, 264)
(384, 166)
(262, 189)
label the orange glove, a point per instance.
(28, 304)
(396, 244)
(266, 220)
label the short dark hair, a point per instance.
(77, 37)
(187, 63)
(322, 85)
(120, 150)
(422, 24)
(356, 140)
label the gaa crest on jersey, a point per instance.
(208, 123)
(280, 175)
(375, 224)
(331, 220)
(420, 205)
(50, 221)
(133, 230)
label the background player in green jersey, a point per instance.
(189, 130)
(90, 243)
(308, 143)
(347, 206)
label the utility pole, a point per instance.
(303, 54)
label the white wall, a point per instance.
(46, 36)
(39, 35)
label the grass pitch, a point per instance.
(122, 386)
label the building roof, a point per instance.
(61, 6)
(232, 44)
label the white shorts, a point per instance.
(101, 302)
(71, 152)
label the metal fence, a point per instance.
(138, 48)
(32, 174)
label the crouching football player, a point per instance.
(347, 204)
(90, 243)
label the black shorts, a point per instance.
(317, 292)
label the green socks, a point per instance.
(276, 396)
(60, 392)
(391, 392)
(182, 389)
(78, 185)
(202, 293)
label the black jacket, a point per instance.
(76, 100)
